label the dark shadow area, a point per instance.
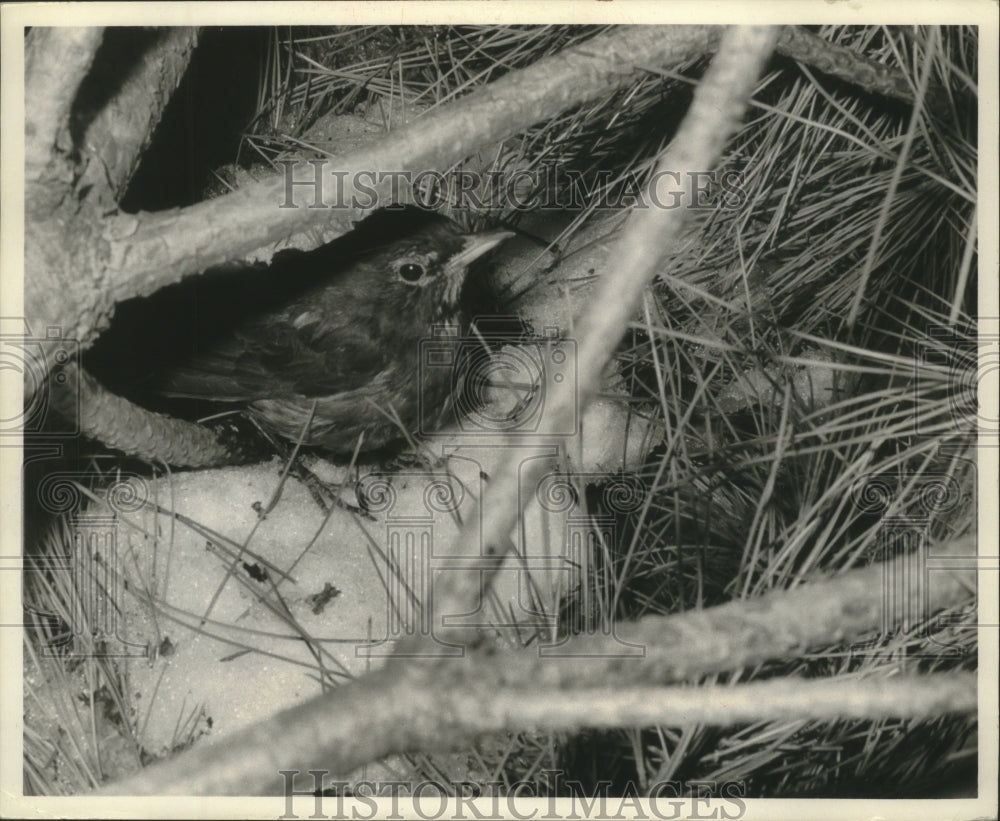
(203, 123)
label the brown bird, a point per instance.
(341, 359)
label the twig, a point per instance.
(844, 63)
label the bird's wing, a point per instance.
(277, 357)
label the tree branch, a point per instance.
(408, 707)
(55, 62)
(840, 610)
(120, 130)
(718, 103)
(120, 424)
(776, 700)
(346, 729)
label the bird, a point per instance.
(335, 365)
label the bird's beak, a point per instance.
(475, 246)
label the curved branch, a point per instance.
(120, 424)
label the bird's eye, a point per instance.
(411, 271)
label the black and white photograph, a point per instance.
(499, 410)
